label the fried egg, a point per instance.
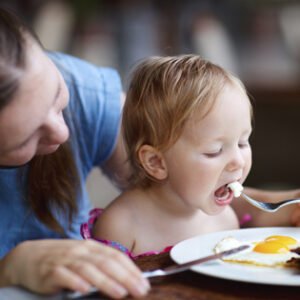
(273, 251)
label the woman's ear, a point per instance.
(153, 162)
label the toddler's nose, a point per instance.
(236, 162)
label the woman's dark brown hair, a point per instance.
(52, 183)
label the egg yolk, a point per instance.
(271, 247)
(286, 240)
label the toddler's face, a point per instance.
(212, 153)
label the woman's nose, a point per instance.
(56, 129)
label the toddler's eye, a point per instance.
(213, 154)
(244, 144)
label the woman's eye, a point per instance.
(213, 154)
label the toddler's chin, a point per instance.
(214, 211)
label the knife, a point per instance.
(185, 266)
(170, 270)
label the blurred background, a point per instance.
(257, 40)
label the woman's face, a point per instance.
(33, 123)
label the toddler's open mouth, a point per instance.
(223, 195)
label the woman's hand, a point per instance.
(47, 266)
(286, 216)
(295, 218)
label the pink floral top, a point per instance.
(86, 232)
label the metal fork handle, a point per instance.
(269, 207)
(276, 206)
(259, 205)
(285, 202)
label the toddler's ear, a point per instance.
(153, 162)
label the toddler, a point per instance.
(186, 125)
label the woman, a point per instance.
(59, 117)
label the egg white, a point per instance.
(248, 256)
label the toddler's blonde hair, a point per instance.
(164, 93)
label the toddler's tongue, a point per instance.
(222, 192)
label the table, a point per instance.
(187, 285)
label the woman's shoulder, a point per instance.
(83, 73)
(93, 113)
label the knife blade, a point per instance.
(185, 266)
(170, 270)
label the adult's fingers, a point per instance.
(75, 265)
(118, 268)
(111, 271)
(100, 280)
(63, 278)
(118, 265)
(120, 258)
(295, 217)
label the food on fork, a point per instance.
(273, 251)
(236, 187)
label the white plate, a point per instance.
(203, 245)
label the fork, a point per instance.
(269, 207)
